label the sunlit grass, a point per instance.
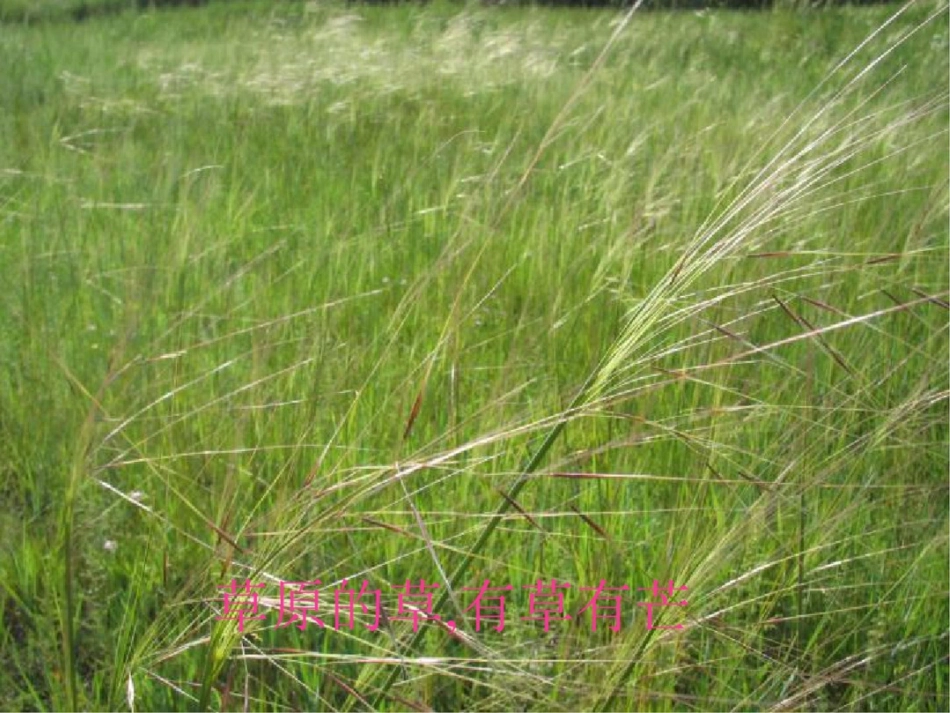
(321, 292)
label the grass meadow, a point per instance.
(314, 291)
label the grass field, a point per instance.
(297, 292)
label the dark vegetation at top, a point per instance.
(26, 11)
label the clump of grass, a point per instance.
(672, 308)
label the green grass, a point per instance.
(308, 291)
